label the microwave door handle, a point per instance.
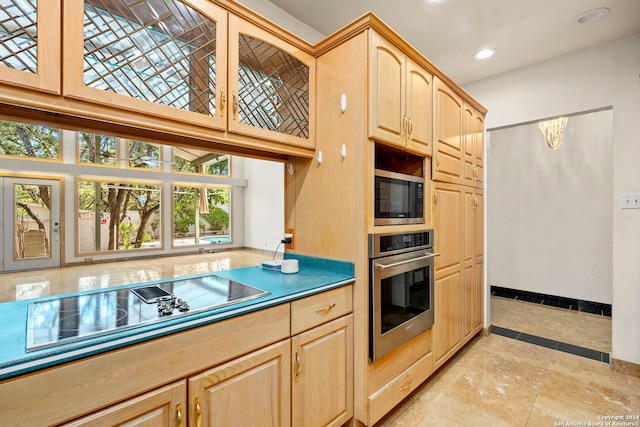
(395, 264)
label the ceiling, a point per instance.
(448, 32)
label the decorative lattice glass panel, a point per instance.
(274, 88)
(19, 34)
(161, 51)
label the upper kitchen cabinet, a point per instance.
(165, 59)
(473, 147)
(448, 134)
(193, 62)
(272, 85)
(30, 44)
(400, 98)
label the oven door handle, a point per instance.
(395, 264)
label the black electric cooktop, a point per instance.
(62, 320)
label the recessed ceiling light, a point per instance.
(485, 53)
(592, 15)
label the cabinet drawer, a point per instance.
(318, 309)
(383, 400)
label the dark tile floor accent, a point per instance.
(552, 344)
(552, 300)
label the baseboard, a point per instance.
(554, 301)
(627, 368)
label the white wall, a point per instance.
(282, 18)
(549, 216)
(263, 204)
(606, 75)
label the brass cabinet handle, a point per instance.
(235, 105)
(223, 101)
(475, 202)
(326, 309)
(437, 161)
(403, 131)
(435, 198)
(298, 367)
(407, 385)
(409, 127)
(179, 419)
(198, 412)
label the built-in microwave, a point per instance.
(399, 198)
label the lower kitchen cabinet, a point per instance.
(447, 328)
(291, 364)
(322, 383)
(163, 407)
(252, 390)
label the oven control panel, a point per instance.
(392, 243)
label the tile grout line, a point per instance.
(555, 348)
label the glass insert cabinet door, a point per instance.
(166, 58)
(271, 83)
(30, 44)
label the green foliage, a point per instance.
(127, 231)
(218, 219)
(99, 149)
(184, 214)
(24, 140)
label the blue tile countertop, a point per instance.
(315, 275)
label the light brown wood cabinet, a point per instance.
(459, 285)
(473, 277)
(322, 377)
(473, 147)
(265, 90)
(448, 131)
(449, 240)
(33, 62)
(400, 98)
(253, 390)
(162, 407)
(247, 370)
(322, 359)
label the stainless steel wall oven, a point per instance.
(401, 276)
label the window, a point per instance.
(206, 163)
(144, 155)
(31, 141)
(210, 206)
(97, 149)
(126, 214)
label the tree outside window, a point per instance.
(97, 149)
(144, 155)
(211, 206)
(209, 164)
(126, 214)
(31, 141)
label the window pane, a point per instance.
(161, 51)
(144, 155)
(97, 149)
(24, 140)
(127, 215)
(205, 163)
(19, 34)
(212, 207)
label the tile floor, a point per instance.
(499, 381)
(590, 331)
